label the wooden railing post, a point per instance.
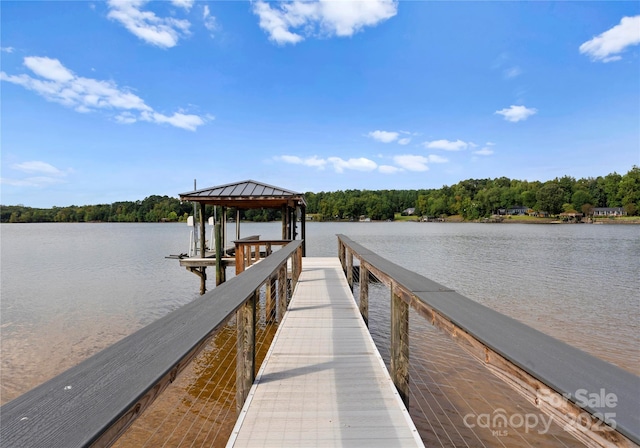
(299, 264)
(246, 347)
(350, 269)
(270, 300)
(364, 293)
(239, 258)
(282, 292)
(400, 344)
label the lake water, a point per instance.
(70, 290)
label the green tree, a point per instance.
(579, 198)
(550, 198)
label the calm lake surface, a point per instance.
(70, 290)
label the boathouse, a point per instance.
(243, 195)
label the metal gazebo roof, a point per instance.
(246, 194)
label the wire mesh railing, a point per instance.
(215, 343)
(200, 408)
(455, 398)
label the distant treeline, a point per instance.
(477, 198)
(472, 199)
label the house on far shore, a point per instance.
(517, 210)
(609, 211)
(571, 216)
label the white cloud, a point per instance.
(37, 181)
(486, 151)
(48, 68)
(403, 162)
(516, 113)
(179, 120)
(404, 141)
(7, 49)
(436, 159)
(339, 164)
(209, 20)
(512, 72)
(383, 136)
(162, 32)
(607, 46)
(186, 4)
(359, 164)
(322, 17)
(412, 162)
(37, 166)
(62, 86)
(43, 174)
(313, 161)
(447, 145)
(388, 169)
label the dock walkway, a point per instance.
(323, 382)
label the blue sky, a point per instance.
(119, 100)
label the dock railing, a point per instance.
(93, 403)
(577, 390)
(251, 250)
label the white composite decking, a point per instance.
(323, 382)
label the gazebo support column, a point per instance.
(203, 277)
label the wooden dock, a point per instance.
(323, 382)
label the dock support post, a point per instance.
(246, 356)
(400, 344)
(282, 292)
(283, 212)
(364, 293)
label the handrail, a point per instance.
(93, 403)
(562, 380)
(248, 250)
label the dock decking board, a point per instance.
(323, 382)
